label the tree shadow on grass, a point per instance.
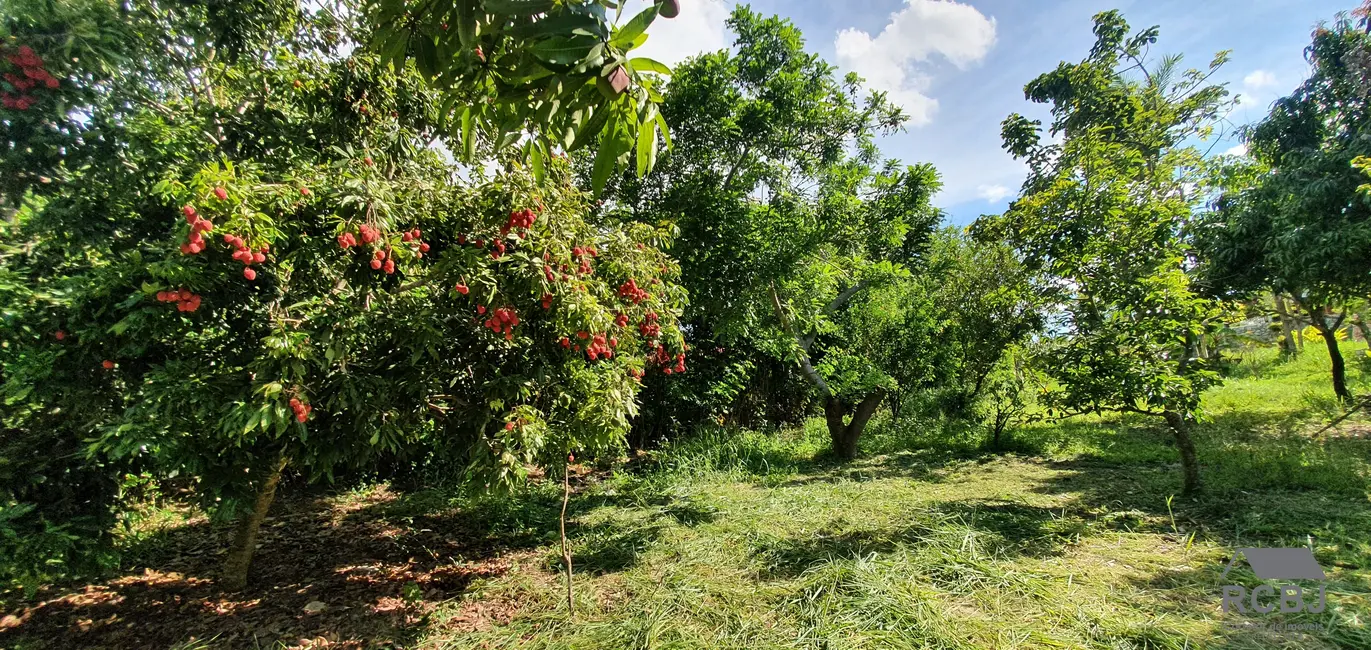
(380, 562)
(981, 527)
(377, 577)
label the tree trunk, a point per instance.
(566, 551)
(1190, 466)
(1287, 329)
(844, 435)
(1330, 339)
(235, 575)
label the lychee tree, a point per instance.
(260, 263)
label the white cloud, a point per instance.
(1236, 150)
(698, 28)
(921, 31)
(992, 193)
(1258, 80)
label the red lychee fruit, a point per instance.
(250, 274)
(109, 365)
(220, 193)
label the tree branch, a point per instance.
(728, 180)
(805, 365)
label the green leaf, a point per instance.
(666, 131)
(518, 7)
(590, 129)
(536, 161)
(426, 58)
(466, 22)
(647, 147)
(644, 64)
(634, 28)
(468, 139)
(607, 157)
(563, 50)
(559, 24)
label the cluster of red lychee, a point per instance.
(600, 348)
(497, 249)
(184, 299)
(382, 262)
(301, 409)
(418, 245)
(662, 357)
(621, 320)
(502, 320)
(462, 288)
(365, 233)
(582, 254)
(630, 291)
(649, 326)
(246, 255)
(196, 242)
(519, 220)
(547, 301)
(31, 75)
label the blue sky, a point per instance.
(959, 67)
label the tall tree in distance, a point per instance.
(1103, 216)
(787, 212)
(1303, 227)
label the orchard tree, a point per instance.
(983, 303)
(1103, 216)
(1303, 228)
(550, 74)
(787, 213)
(260, 263)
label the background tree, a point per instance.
(1103, 217)
(259, 263)
(1302, 228)
(983, 304)
(786, 212)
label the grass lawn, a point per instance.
(1070, 540)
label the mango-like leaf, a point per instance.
(518, 7)
(590, 129)
(563, 50)
(634, 28)
(644, 64)
(536, 161)
(466, 22)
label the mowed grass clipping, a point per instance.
(745, 540)
(1072, 538)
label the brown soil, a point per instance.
(379, 576)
